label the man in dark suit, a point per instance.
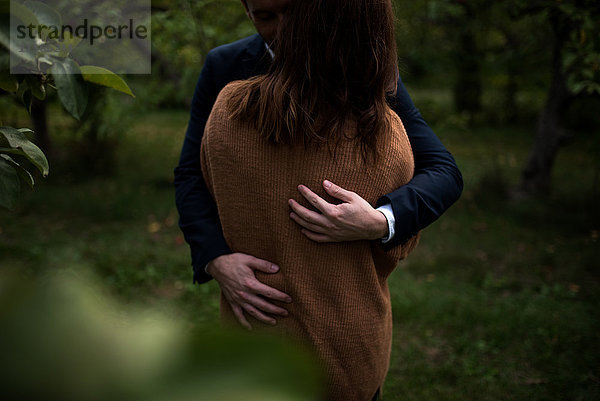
(436, 185)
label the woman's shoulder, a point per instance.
(222, 120)
(395, 121)
(229, 91)
(222, 109)
(234, 86)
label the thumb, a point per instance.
(337, 191)
(262, 265)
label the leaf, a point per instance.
(591, 59)
(587, 73)
(593, 89)
(8, 82)
(27, 100)
(23, 13)
(569, 59)
(46, 60)
(104, 77)
(578, 87)
(24, 94)
(24, 174)
(45, 15)
(5, 31)
(26, 132)
(70, 86)
(569, 10)
(15, 142)
(10, 186)
(37, 88)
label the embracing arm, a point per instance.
(198, 220)
(437, 181)
(435, 186)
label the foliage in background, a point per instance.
(183, 32)
(43, 63)
(581, 61)
(15, 147)
(475, 47)
(508, 49)
(575, 67)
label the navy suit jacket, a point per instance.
(436, 185)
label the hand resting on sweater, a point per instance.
(235, 275)
(353, 219)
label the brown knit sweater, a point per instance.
(341, 302)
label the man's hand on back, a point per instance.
(354, 219)
(245, 294)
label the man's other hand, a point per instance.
(354, 219)
(245, 294)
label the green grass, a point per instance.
(499, 301)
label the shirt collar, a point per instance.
(269, 50)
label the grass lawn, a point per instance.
(499, 301)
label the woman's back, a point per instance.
(341, 301)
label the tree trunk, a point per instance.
(40, 125)
(536, 177)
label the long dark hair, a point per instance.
(334, 62)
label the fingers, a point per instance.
(244, 292)
(258, 315)
(271, 293)
(308, 215)
(262, 265)
(338, 192)
(315, 199)
(256, 306)
(317, 237)
(252, 311)
(307, 225)
(263, 306)
(239, 314)
(254, 286)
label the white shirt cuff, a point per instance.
(391, 220)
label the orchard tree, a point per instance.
(575, 45)
(44, 64)
(464, 33)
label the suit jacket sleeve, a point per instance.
(437, 181)
(199, 220)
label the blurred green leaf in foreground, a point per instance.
(64, 339)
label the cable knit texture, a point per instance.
(341, 302)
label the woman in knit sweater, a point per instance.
(321, 111)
